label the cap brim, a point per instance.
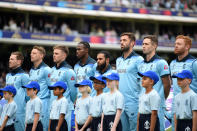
(178, 76)
(92, 78)
(77, 85)
(140, 74)
(50, 87)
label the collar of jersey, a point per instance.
(130, 55)
(41, 64)
(185, 58)
(152, 59)
(17, 70)
(87, 61)
(63, 64)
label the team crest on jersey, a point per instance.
(128, 62)
(49, 75)
(165, 67)
(151, 67)
(77, 71)
(14, 78)
(147, 125)
(86, 70)
(187, 129)
(72, 78)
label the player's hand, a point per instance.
(1, 129)
(49, 129)
(113, 128)
(57, 129)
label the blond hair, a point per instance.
(40, 49)
(62, 48)
(19, 56)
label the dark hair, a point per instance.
(130, 35)
(85, 44)
(35, 89)
(106, 54)
(61, 88)
(153, 39)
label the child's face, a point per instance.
(58, 91)
(83, 89)
(98, 85)
(30, 92)
(183, 82)
(146, 82)
(7, 95)
(112, 83)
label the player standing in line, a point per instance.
(185, 103)
(84, 67)
(149, 103)
(62, 71)
(112, 105)
(184, 61)
(152, 62)
(18, 78)
(33, 108)
(9, 110)
(82, 109)
(59, 108)
(41, 72)
(129, 84)
(102, 67)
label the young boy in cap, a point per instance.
(112, 105)
(59, 108)
(33, 108)
(185, 103)
(82, 108)
(149, 102)
(96, 106)
(9, 110)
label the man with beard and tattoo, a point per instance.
(184, 61)
(84, 67)
(18, 78)
(129, 83)
(102, 67)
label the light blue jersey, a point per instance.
(112, 102)
(98, 73)
(185, 103)
(65, 73)
(9, 110)
(129, 86)
(96, 106)
(176, 66)
(82, 109)
(149, 102)
(58, 107)
(33, 106)
(161, 68)
(187, 63)
(84, 71)
(19, 78)
(41, 74)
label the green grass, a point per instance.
(170, 129)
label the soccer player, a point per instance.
(62, 71)
(102, 67)
(184, 61)
(84, 67)
(185, 103)
(129, 84)
(18, 78)
(40, 72)
(152, 62)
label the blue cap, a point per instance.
(184, 74)
(33, 85)
(84, 83)
(99, 78)
(10, 89)
(152, 75)
(59, 84)
(112, 76)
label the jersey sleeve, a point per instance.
(155, 102)
(64, 106)
(120, 101)
(38, 106)
(194, 68)
(163, 68)
(11, 110)
(71, 80)
(194, 102)
(24, 81)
